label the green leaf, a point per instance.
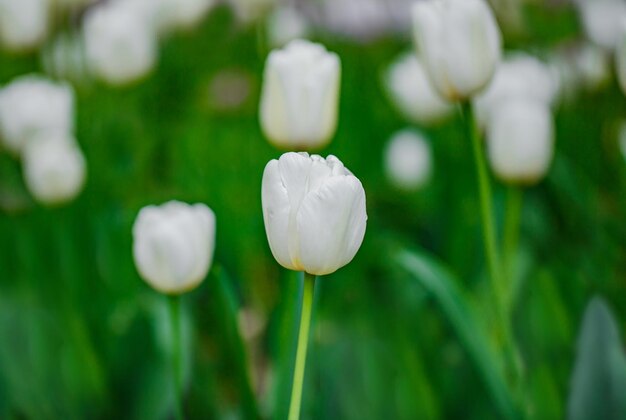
(443, 286)
(598, 387)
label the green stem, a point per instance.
(174, 306)
(303, 341)
(488, 224)
(512, 226)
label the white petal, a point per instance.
(331, 222)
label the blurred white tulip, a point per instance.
(459, 42)
(314, 212)
(518, 76)
(248, 11)
(412, 93)
(120, 45)
(620, 60)
(182, 14)
(593, 65)
(32, 104)
(285, 24)
(408, 160)
(24, 24)
(602, 21)
(54, 167)
(173, 245)
(520, 138)
(300, 96)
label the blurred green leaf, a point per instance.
(443, 286)
(598, 388)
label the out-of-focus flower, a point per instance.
(602, 21)
(593, 66)
(182, 14)
(520, 138)
(459, 41)
(412, 93)
(300, 96)
(173, 245)
(285, 24)
(408, 160)
(120, 46)
(54, 167)
(314, 212)
(23, 23)
(359, 20)
(518, 76)
(32, 104)
(620, 60)
(248, 11)
(64, 58)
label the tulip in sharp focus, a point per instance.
(412, 92)
(32, 104)
(300, 96)
(314, 212)
(408, 160)
(173, 245)
(520, 138)
(23, 23)
(459, 41)
(54, 168)
(120, 45)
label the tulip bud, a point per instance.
(23, 23)
(300, 96)
(284, 25)
(120, 46)
(412, 92)
(602, 21)
(520, 138)
(173, 245)
(314, 212)
(32, 104)
(408, 160)
(620, 60)
(459, 41)
(519, 76)
(54, 167)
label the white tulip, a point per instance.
(54, 167)
(248, 11)
(314, 212)
(412, 92)
(173, 245)
(602, 21)
(120, 46)
(408, 160)
(459, 41)
(184, 14)
(520, 138)
(620, 60)
(286, 24)
(518, 76)
(24, 24)
(300, 96)
(32, 104)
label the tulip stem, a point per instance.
(303, 341)
(174, 307)
(512, 219)
(488, 225)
